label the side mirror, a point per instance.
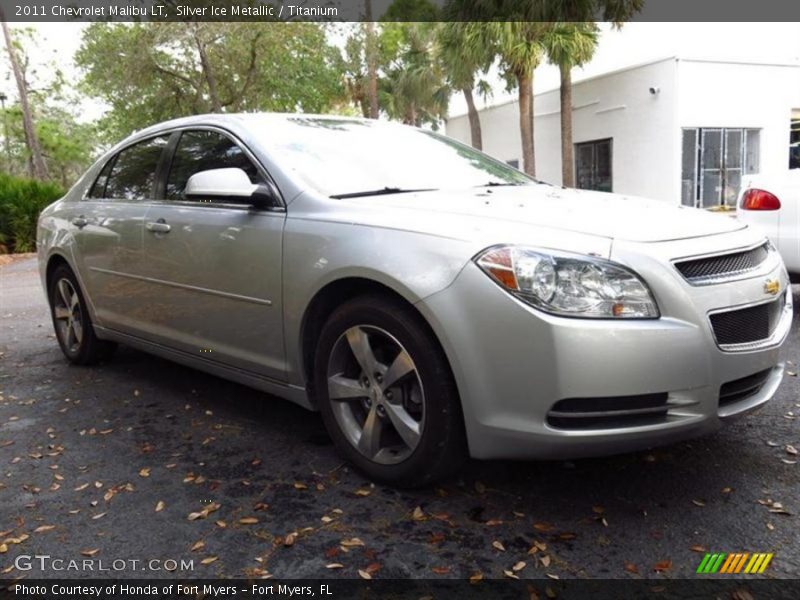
(230, 185)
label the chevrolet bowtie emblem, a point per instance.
(772, 286)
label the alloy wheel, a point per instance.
(376, 394)
(68, 315)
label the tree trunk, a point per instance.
(208, 73)
(525, 84)
(567, 159)
(37, 165)
(372, 62)
(474, 119)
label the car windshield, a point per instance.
(344, 158)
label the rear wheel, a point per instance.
(386, 393)
(72, 322)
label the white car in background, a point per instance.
(772, 203)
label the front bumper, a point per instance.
(513, 363)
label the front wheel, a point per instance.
(72, 322)
(386, 393)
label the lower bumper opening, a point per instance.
(741, 389)
(609, 412)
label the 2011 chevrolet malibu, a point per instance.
(429, 301)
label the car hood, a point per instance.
(614, 216)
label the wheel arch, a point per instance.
(328, 299)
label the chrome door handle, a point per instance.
(159, 226)
(80, 222)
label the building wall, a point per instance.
(618, 106)
(760, 96)
(646, 128)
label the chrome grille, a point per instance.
(723, 266)
(747, 325)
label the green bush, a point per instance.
(21, 201)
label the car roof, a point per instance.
(241, 119)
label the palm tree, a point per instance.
(462, 54)
(569, 45)
(37, 164)
(415, 90)
(519, 46)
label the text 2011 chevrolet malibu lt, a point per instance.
(430, 301)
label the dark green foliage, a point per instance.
(21, 201)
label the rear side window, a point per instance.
(203, 150)
(134, 171)
(99, 188)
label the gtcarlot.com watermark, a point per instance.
(45, 562)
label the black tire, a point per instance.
(83, 349)
(441, 443)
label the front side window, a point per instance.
(201, 151)
(134, 171)
(99, 188)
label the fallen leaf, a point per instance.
(248, 521)
(509, 574)
(198, 545)
(418, 514)
(290, 539)
(632, 568)
(698, 503)
(436, 538)
(144, 472)
(545, 560)
(209, 560)
(373, 568)
(662, 565)
(99, 516)
(475, 577)
(727, 490)
(334, 566)
(207, 510)
(352, 542)
(543, 526)
(791, 450)
(519, 566)
(499, 546)
(221, 524)
(43, 528)
(3, 548)
(698, 548)
(440, 570)
(299, 485)
(160, 506)
(364, 574)
(90, 553)
(260, 506)
(362, 492)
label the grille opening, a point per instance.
(725, 265)
(608, 412)
(746, 325)
(741, 389)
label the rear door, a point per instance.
(108, 227)
(214, 267)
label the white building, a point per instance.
(675, 129)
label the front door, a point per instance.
(215, 268)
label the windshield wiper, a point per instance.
(379, 192)
(500, 183)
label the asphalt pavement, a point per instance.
(143, 466)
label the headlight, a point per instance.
(569, 285)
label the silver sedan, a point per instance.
(429, 301)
